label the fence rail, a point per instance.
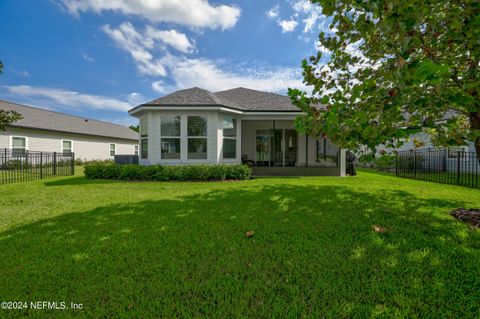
(439, 165)
(22, 165)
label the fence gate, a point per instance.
(21, 165)
(439, 165)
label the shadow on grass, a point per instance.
(79, 180)
(313, 254)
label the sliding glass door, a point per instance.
(276, 147)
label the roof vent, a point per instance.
(86, 120)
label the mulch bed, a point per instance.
(469, 216)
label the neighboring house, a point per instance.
(198, 126)
(449, 159)
(47, 131)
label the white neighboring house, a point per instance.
(48, 131)
(198, 126)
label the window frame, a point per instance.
(176, 137)
(71, 146)
(136, 150)
(235, 138)
(18, 136)
(191, 137)
(143, 152)
(114, 149)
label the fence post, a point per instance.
(458, 168)
(396, 163)
(414, 164)
(72, 164)
(41, 165)
(54, 163)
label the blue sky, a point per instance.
(98, 58)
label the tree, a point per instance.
(394, 68)
(135, 128)
(7, 117)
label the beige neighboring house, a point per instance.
(48, 131)
(198, 126)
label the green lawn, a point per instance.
(149, 250)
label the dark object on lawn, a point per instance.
(247, 161)
(249, 234)
(470, 216)
(350, 157)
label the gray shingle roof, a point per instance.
(243, 99)
(53, 121)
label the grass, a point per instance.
(144, 250)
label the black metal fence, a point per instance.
(126, 159)
(447, 166)
(21, 165)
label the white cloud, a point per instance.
(273, 12)
(209, 75)
(135, 98)
(192, 13)
(184, 72)
(86, 57)
(128, 39)
(70, 98)
(173, 38)
(287, 25)
(141, 45)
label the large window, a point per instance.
(113, 150)
(144, 138)
(229, 137)
(67, 146)
(170, 137)
(197, 137)
(19, 145)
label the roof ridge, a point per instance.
(62, 113)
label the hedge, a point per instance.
(168, 172)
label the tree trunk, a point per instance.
(475, 124)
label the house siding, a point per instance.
(214, 123)
(84, 146)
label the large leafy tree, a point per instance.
(7, 117)
(394, 68)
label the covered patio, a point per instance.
(275, 148)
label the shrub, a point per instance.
(84, 162)
(168, 172)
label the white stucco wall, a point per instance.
(84, 146)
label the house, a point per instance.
(430, 157)
(47, 131)
(198, 126)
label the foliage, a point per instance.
(167, 250)
(168, 172)
(395, 68)
(84, 162)
(136, 128)
(383, 162)
(7, 117)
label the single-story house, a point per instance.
(47, 131)
(199, 126)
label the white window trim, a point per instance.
(10, 142)
(136, 149)
(109, 149)
(61, 145)
(196, 160)
(171, 160)
(234, 159)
